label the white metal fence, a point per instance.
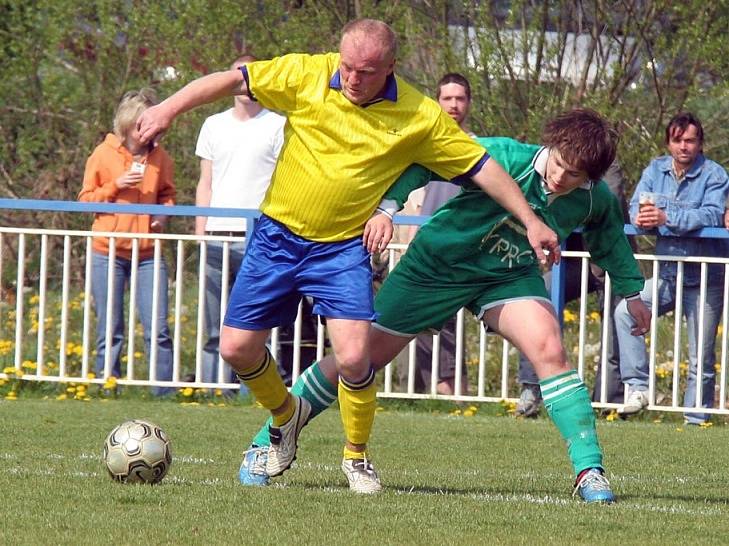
(47, 324)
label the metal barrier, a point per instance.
(489, 361)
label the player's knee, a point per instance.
(550, 355)
(353, 365)
(238, 353)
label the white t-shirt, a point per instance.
(243, 156)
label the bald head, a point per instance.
(367, 58)
(371, 33)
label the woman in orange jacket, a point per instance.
(122, 170)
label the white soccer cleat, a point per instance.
(361, 476)
(284, 439)
(637, 401)
(529, 401)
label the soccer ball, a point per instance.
(137, 452)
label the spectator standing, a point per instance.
(679, 193)
(454, 96)
(123, 170)
(238, 149)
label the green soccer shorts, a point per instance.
(409, 302)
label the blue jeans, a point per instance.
(213, 290)
(145, 279)
(633, 355)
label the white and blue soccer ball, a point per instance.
(137, 451)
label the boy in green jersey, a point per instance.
(473, 254)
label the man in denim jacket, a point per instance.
(677, 194)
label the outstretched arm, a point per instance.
(155, 120)
(497, 183)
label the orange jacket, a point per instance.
(108, 162)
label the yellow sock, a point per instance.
(266, 384)
(357, 404)
(349, 454)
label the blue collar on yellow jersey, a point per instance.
(390, 92)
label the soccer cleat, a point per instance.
(636, 402)
(593, 486)
(361, 476)
(529, 401)
(284, 439)
(253, 468)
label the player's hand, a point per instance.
(378, 232)
(542, 239)
(153, 122)
(641, 315)
(128, 180)
(726, 218)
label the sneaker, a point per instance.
(529, 401)
(361, 476)
(253, 468)
(284, 439)
(637, 401)
(593, 486)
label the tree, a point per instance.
(65, 66)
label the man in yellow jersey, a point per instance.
(352, 128)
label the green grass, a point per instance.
(472, 480)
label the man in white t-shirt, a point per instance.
(238, 149)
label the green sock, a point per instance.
(568, 404)
(314, 387)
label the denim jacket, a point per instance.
(695, 202)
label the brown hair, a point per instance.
(584, 139)
(454, 77)
(680, 122)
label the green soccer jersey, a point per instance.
(472, 239)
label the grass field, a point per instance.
(458, 480)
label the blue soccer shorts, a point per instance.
(280, 267)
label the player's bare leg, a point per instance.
(247, 353)
(357, 400)
(533, 329)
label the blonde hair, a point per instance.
(375, 30)
(131, 106)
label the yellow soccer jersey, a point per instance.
(338, 158)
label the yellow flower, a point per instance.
(12, 395)
(595, 316)
(29, 365)
(91, 375)
(187, 392)
(61, 396)
(569, 316)
(34, 299)
(469, 413)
